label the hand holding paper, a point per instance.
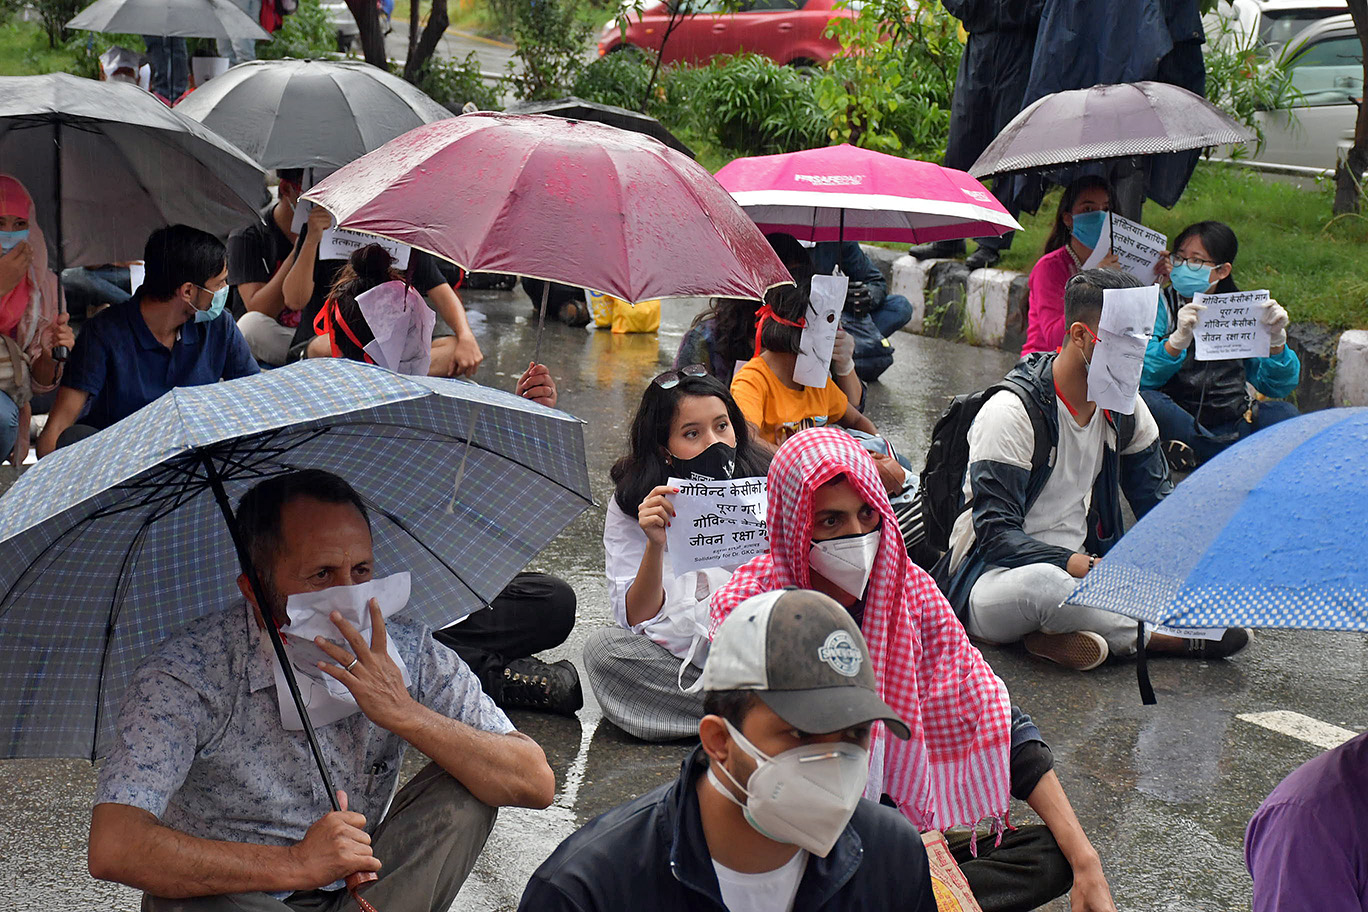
(1129, 246)
(1234, 326)
(1275, 318)
(1188, 315)
(843, 354)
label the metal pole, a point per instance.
(541, 320)
(59, 353)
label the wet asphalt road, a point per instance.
(1164, 791)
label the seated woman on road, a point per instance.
(1202, 407)
(31, 324)
(721, 338)
(1077, 229)
(832, 529)
(536, 611)
(686, 426)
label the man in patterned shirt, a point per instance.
(207, 802)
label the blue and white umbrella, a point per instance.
(1270, 533)
(110, 545)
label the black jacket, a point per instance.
(651, 854)
(1003, 494)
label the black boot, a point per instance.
(940, 250)
(543, 686)
(982, 258)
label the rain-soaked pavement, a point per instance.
(1163, 791)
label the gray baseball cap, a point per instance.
(804, 656)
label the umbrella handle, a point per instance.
(60, 352)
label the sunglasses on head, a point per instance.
(670, 379)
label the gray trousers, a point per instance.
(428, 842)
(636, 682)
(1005, 605)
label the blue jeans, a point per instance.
(1175, 423)
(170, 66)
(96, 285)
(9, 426)
(240, 50)
(892, 314)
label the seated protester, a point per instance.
(1202, 407)
(260, 256)
(304, 289)
(869, 289)
(775, 405)
(1027, 537)
(687, 426)
(1305, 846)
(536, 611)
(721, 338)
(767, 812)
(832, 529)
(1077, 230)
(32, 323)
(208, 802)
(172, 332)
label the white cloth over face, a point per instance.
(402, 325)
(326, 698)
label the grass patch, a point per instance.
(24, 51)
(1289, 243)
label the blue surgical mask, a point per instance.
(1087, 227)
(1188, 280)
(11, 239)
(215, 306)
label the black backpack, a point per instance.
(940, 496)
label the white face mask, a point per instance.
(847, 561)
(326, 698)
(803, 797)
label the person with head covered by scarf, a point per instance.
(832, 529)
(32, 321)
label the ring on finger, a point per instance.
(353, 663)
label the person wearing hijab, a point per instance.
(32, 321)
(832, 529)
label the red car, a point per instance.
(786, 31)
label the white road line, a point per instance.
(1303, 728)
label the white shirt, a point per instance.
(772, 891)
(683, 618)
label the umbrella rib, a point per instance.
(399, 523)
(115, 605)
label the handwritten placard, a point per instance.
(1230, 327)
(340, 244)
(717, 523)
(1137, 247)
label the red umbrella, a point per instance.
(567, 201)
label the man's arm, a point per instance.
(449, 307)
(131, 846)
(499, 769)
(298, 286)
(1090, 891)
(269, 297)
(63, 415)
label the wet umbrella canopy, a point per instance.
(309, 113)
(107, 164)
(169, 19)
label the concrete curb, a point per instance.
(988, 307)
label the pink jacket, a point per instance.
(1045, 311)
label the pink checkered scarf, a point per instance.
(953, 771)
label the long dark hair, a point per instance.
(1059, 233)
(366, 268)
(733, 322)
(644, 467)
(1219, 240)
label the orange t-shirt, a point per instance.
(779, 412)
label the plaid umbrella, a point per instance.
(109, 546)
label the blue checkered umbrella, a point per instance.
(112, 544)
(1267, 534)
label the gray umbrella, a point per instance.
(169, 19)
(309, 113)
(573, 108)
(1107, 121)
(107, 163)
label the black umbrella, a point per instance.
(573, 108)
(169, 19)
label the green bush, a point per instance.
(307, 32)
(1242, 80)
(452, 83)
(619, 78)
(757, 107)
(551, 37)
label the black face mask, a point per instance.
(716, 463)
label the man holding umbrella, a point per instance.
(209, 799)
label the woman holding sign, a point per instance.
(687, 426)
(1202, 406)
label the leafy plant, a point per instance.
(54, 15)
(551, 37)
(1242, 80)
(620, 78)
(754, 105)
(308, 32)
(452, 83)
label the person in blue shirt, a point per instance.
(172, 332)
(1202, 407)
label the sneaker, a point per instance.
(982, 258)
(1179, 456)
(1082, 650)
(1234, 639)
(543, 686)
(940, 250)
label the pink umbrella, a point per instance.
(846, 193)
(569, 201)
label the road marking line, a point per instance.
(1303, 728)
(471, 36)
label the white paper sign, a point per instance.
(717, 523)
(1119, 356)
(1137, 247)
(137, 272)
(401, 323)
(1190, 633)
(1231, 326)
(825, 300)
(340, 243)
(304, 207)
